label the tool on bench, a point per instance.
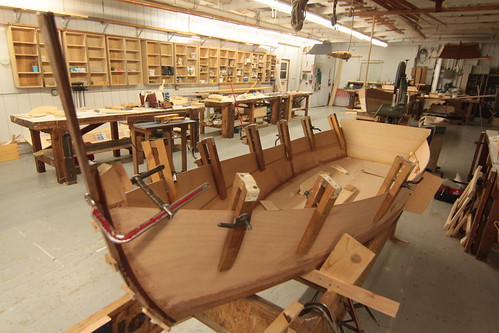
(167, 210)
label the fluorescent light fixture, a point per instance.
(285, 8)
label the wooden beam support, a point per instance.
(430, 10)
(308, 131)
(324, 193)
(243, 200)
(396, 177)
(255, 145)
(209, 156)
(334, 124)
(356, 293)
(283, 132)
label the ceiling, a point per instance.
(395, 21)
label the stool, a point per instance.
(145, 130)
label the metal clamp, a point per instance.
(242, 220)
(323, 310)
(167, 210)
(412, 182)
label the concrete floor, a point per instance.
(53, 272)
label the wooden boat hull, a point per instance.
(173, 268)
(371, 99)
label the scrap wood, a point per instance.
(268, 205)
(348, 193)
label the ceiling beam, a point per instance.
(486, 8)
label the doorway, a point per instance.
(284, 75)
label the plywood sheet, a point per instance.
(423, 193)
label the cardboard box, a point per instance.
(8, 152)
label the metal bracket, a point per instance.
(17, 15)
(169, 36)
(255, 47)
(65, 21)
(203, 40)
(138, 31)
(104, 26)
(222, 43)
(242, 220)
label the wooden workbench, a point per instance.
(60, 155)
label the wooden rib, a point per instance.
(308, 131)
(401, 178)
(392, 174)
(209, 155)
(255, 145)
(157, 153)
(326, 199)
(283, 132)
(243, 200)
(335, 125)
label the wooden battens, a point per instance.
(284, 319)
(157, 153)
(335, 125)
(396, 177)
(308, 131)
(323, 194)
(209, 155)
(255, 145)
(243, 200)
(283, 132)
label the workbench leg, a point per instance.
(307, 104)
(115, 136)
(37, 146)
(135, 151)
(276, 110)
(227, 122)
(183, 143)
(58, 152)
(201, 121)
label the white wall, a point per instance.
(15, 101)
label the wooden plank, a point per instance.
(336, 82)
(268, 205)
(243, 200)
(156, 153)
(374, 141)
(255, 145)
(358, 294)
(347, 194)
(423, 193)
(114, 191)
(282, 322)
(335, 125)
(325, 198)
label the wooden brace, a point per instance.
(308, 131)
(255, 145)
(209, 156)
(243, 200)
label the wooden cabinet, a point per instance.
(224, 66)
(117, 62)
(97, 60)
(151, 51)
(76, 57)
(133, 61)
(270, 68)
(24, 55)
(167, 63)
(208, 64)
(45, 66)
(186, 64)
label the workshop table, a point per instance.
(61, 156)
(146, 130)
(462, 103)
(227, 109)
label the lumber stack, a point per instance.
(168, 118)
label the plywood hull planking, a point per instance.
(176, 262)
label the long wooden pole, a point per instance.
(369, 52)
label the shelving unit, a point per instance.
(23, 49)
(97, 60)
(133, 61)
(151, 51)
(75, 50)
(167, 63)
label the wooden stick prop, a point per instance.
(156, 153)
(282, 322)
(255, 145)
(308, 131)
(283, 131)
(324, 193)
(50, 36)
(243, 200)
(209, 155)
